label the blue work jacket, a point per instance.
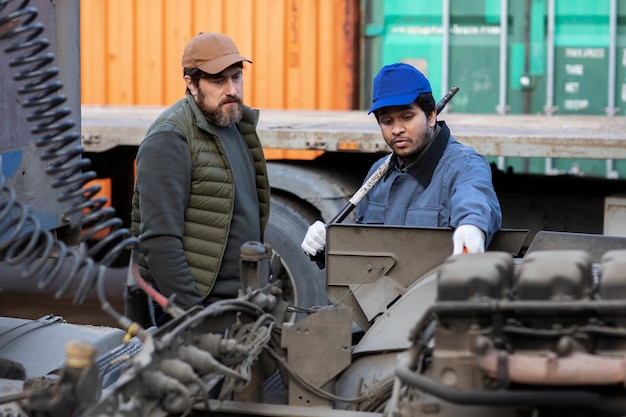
(449, 185)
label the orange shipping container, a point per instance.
(304, 51)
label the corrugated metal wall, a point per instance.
(304, 51)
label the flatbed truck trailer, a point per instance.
(581, 136)
(353, 137)
(318, 159)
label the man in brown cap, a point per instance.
(202, 188)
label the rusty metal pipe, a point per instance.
(575, 369)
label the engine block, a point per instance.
(543, 333)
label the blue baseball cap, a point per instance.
(398, 85)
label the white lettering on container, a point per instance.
(592, 53)
(577, 104)
(438, 30)
(572, 87)
(416, 30)
(474, 30)
(575, 69)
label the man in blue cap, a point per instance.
(432, 180)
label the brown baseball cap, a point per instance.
(211, 52)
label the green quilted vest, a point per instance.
(207, 219)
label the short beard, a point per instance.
(220, 117)
(226, 118)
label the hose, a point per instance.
(22, 239)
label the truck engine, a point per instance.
(540, 336)
(484, 334)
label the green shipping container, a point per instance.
(545, 56)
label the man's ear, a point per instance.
(189, 84)
(432, 119)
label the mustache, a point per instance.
(234, 99)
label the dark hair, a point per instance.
(424, 101)
(197, 74)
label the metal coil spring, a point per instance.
(22, 240)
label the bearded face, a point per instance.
(220, 96)
(224, 114)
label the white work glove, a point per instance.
(315, 238)
(469, 237)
